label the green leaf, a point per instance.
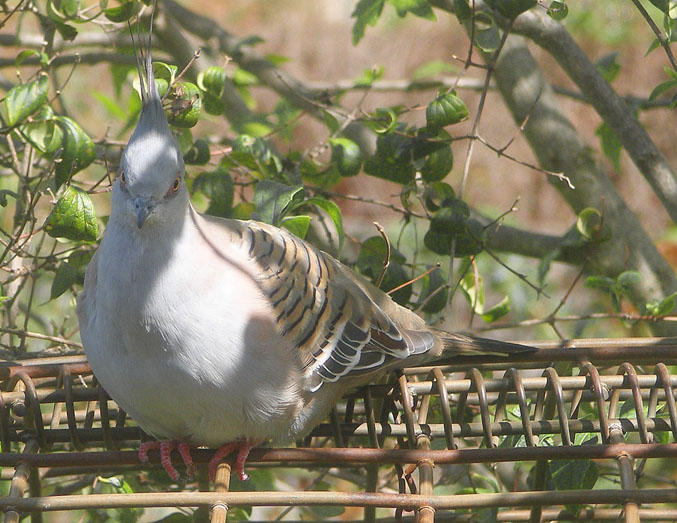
(451, 219)
(45, 135)
(440, 194)
(54, 13)
(589, 223)
(603, 283)
(432, 69)
(369, 76)
(608, 66)
(80, 258)
(611, 145)
(367, 12)
(212, 81)
(78, 150)
(121, 13)
(66, 276)
(164, 71)
(73, 217)
(297, 225)
(666, 305)
(255, 154)
(185, 139)
(277, 59)
(23, 100)
(273, 200)
(69, 7)
(463, 10)
(185, 105)
(212, 104)
(627, 281)
(384, 121)
(447, 109)
(574, 475)
(27, 53)
(243, 78)
(401, 172)
(334, 213)
(417, 7)
(472, 241)
(433, 295)
(330, 121)
(664, 86)
(218, 186)
(558, 10)
(198, 154)
(487, 36)
(372, 254)
(346, 155)
(497, 311)
(438, 164)
(512, 8)
(395, 276)
(67, 32)
(473, 289)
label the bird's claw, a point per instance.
(243, 448)
(166, 448)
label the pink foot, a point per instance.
(166, 448)
(244, 447)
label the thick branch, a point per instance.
(281, 82)
(560, 148)
(505, 238)
(554, 38)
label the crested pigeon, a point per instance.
(226, 333)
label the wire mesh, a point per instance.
(56, 422)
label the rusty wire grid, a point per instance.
(618, 395)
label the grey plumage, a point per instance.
(209, 331)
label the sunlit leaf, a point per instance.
(273, 200)
(447, 109)
(73, 217)
(77, 153)
(297, 225)
(346, 155)
(367, 12)
(23, 100)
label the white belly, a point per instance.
(203, 364)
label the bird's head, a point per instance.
(150, 186)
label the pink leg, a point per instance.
(184, 450)
(145, 447)
(221, 453)
(244, 447)
(166, 448)
(242, 455)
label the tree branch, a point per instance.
(554, 38)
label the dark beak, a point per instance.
(144, 206)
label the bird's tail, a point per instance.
(463, 345)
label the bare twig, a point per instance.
(386, 259)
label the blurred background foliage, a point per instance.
(513, 191)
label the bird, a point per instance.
(225, 333)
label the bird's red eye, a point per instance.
(177, 184)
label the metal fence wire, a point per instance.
(609, 401)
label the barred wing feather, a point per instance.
(318, 304)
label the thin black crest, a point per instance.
(144, 60)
